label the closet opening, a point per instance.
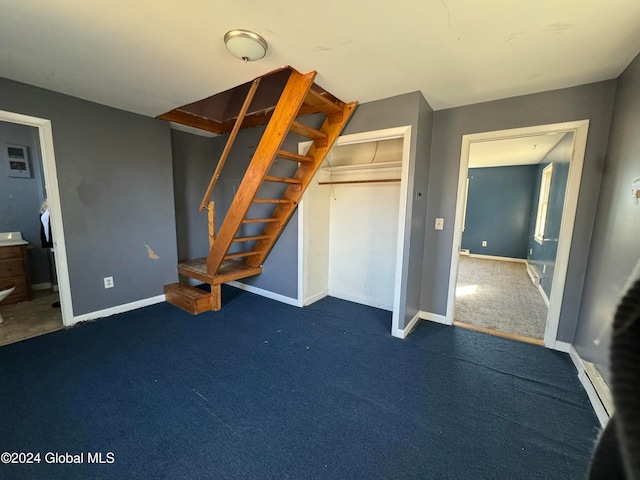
(352, 222)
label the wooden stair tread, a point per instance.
(308, 132)
(229, 256)
(271, 178)
(234, 270)
(229, 270)
(324, 104)
(295, 157)
(188, 290)
(251, 238)
(271, 200)
(260, 220)
(195, 268)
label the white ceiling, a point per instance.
(512, 151)
(150, 56)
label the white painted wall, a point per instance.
(351, 230)
(362, 242)
(315, 213)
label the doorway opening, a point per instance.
(572, 136)
(351, 223)
(45, 305)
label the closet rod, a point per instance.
(361, 181)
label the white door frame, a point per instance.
(53, 197)
(580, 129)
(372, 136)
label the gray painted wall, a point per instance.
(21, 198)
(615, 249)
(192, 156)
(593, 101)
(116, 188)
(417, 209)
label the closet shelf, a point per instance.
(377, 180)
(362, 166)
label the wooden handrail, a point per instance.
(232, 137)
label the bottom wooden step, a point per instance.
(188, 298)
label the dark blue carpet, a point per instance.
(264, 390)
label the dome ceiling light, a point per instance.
(247, 46)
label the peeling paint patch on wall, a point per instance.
(151, 253)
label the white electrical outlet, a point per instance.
(484, 243)
(439, 223)
(108, 282)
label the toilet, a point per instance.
(4, 294)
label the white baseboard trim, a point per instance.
(404, 333)
(533, 274)
(265, 293)
(434, 317)
(41, 286)
(544, 296)
(502, 259)
(594, 398)
(107, 312)
(361, 300)
(562, 346)
(314, 298)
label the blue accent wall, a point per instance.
(543, 257)
(499, 208)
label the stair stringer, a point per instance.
(294, 193)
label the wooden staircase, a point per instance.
(233, 256)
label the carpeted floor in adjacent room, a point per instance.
(265, 390)
(500, 296)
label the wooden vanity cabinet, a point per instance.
(14, 270)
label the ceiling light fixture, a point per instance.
(246, 45)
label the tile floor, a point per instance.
(29, 319)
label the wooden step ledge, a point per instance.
(188, 298)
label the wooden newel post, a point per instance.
(216, 290)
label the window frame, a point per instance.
(543, 203)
